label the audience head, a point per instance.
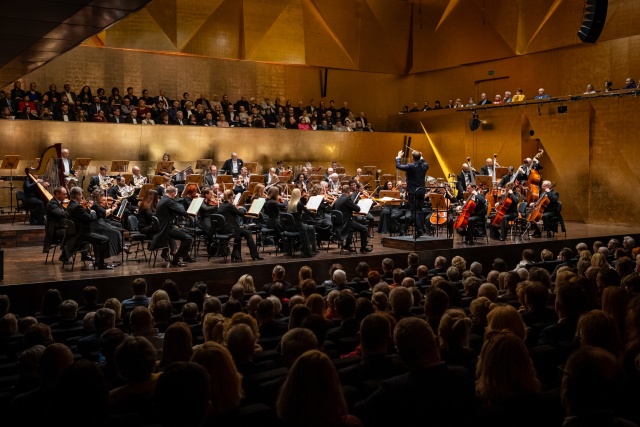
(506, 317)
(296, 342)
(225, 383)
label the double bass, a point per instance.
(538, 209)
(469, 206)
(534, 181)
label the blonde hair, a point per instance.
(459, 262)
(213, 327)
(599, 260)
(224, 380)
(506, 317)
(454, 329)
(292, 207)
(246, 280)
(156, 297)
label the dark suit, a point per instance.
(416, 173)
(129, 120)
(345, 205)
(550, 213)
(33, 202)
(55, 215)
(6, 102)
(512, 213)
(94, 182)
(461, 185)
(82, 218)
(477, 217)
(116, 119)
(485, 170)
(60, 116)
(231, 214)
(227, 167)
(210, 179)
(166, 210)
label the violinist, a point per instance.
(231, 214)
(301, 182)
(307, 232)
(82, 216)
(56, 215)
(272, 208)
(511, 212)
(166, 182)
(189, 193)
(146, 210)
(358, 192)
(210, 206)
(103, 225)
(477, 216)
(551, 212)
(240, 185)
(258, 192)
(386, 225)
(271, 178)
(322, 217)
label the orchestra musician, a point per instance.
(232, 166)
(328, 174)
(209, 206)
(67, 164)
(166, 182)
(345, 204)
(258, 191)
(82, 218)
(488, 168)
(307, 232)
(33, 199)
(271, 177)
(231, 214)
(477, 216)
(511, 213)
(358, 192)
(212, 176)
(334, 184)
(525, 168)
(301, 182)
(416, 173)
(190, 193)
(322, 217)
(167, 158)
(551, 212)
(103, 225)
(167, 210)
(465, 177)
(56, 214)
(240, 184)
(146, 210)
(102, 180)
(444, 189)
(137, 179)
(272, 208)
(507, 178)
(386, 225)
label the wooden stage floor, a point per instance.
(26, 278)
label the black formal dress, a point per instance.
(106, 227)
(416, 173)
(307, 231)
(33, 201)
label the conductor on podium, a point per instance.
(416, 191)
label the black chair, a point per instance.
(265, 236)
(337, 224)
(20, 207)
(56, 242)
(155, 225)
(324, 237)
(290, 238)
(558, 220)
(220, 241)
(85, 249)
(519, 227)
(135, 239)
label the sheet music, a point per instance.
(314, 203)
(365, 206)
(236, 199)
(256, 207)
(195, 205)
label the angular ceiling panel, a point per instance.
(164, 12)
(192, 14)
(345, 32)
(503, 15)
(286, 31)
(219, 36)
(259, 18)
(139, 31)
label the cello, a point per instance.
(534, 181)
(467, 210)
(502, 210)
(538, 209)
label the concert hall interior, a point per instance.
(384, 65)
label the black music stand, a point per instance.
(10, 162)
(438, 205)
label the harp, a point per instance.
(50, 170)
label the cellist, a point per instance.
(477, 216)
(504, 213)
(550, 212)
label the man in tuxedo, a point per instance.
(416, 191)
(465, 178)
(95, 181)
(55, 214)
(346, 205)
(64, 115)
(165, 101)
(133, 118)
(166, 211)
(211, 177)
(233, 165)
(67, 163)
(488, 168)
(82, 219)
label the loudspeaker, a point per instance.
(532, 132)
(562, 109)
(595, 13)
(474, 124)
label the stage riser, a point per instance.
(19, 238)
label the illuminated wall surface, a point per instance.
(381, 55)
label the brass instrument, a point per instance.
(139, 181)
(126, 192)
(107, 183)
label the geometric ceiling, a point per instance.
(383, 36)
(34, 32)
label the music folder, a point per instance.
(236, 199)
(256, 207)
(81, 163)
(195, 205)
(314, 203)
(163, 167)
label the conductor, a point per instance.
(416, 191)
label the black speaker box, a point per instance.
(595, 14)
(474, 124)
